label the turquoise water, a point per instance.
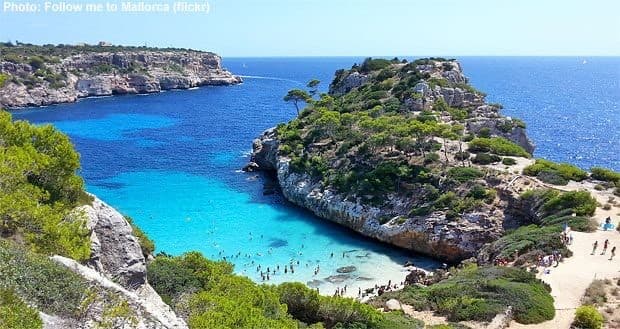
(171, 160)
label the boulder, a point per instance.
(393, 305)
(115, 251)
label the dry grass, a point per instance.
(605, 296)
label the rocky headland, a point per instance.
(39, 75)
(434, 215)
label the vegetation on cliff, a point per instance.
(369, 142)
(39, 189)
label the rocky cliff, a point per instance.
(395, 218)
(116, 273)
(36, 80)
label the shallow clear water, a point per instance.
(172, 160)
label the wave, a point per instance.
(269, 78)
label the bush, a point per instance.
(36, 62)
(581, 202)
(509, 161)
(371, 64)
(51, 287)
(606, 175)
(485, 158)
(3, 79)
(463, 155)
(431, 158)
(191, 272)
(497, 145)
(15, 314)
(563, 170)
(479, 293)
(484, 132)
(464, 174)
(595, 294)
(588, 317)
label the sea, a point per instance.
(172, 160)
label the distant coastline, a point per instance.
(33, 75)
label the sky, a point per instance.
(239, 28)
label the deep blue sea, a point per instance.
(171, 160)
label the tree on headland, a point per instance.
(296, 96)
(313, 86)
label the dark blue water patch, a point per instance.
(571, 105)
(278, 243)
(110, 185)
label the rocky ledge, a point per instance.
(116, 271)
(88, 74)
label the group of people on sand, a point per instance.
(549, 260)
(605, 246)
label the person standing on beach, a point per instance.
(605, 245)
(613, 253)
(594, 246)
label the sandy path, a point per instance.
(570, 280)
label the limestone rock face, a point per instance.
(117, 268)
(147, 309)
(348, 83)
(113, 73)
(115, 252)
(433, 234)
(265, 151)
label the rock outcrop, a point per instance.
(110, 73)
(116, 273)
(433, 234)
(405, 215)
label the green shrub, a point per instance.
(509, 161)
(191, 272)
(464, 174)
(479, 293)
(51, 287)
(431, 158)
(3, 79)
(484, 132)
(564, 170)
(371, 64)
(581, 202)
(588, 317)
(37, 62)
(485, 158)
(497, 145)
(463, 155)
(606, 175)
(15, 314)
(527, 239)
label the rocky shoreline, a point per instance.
(92, 74)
